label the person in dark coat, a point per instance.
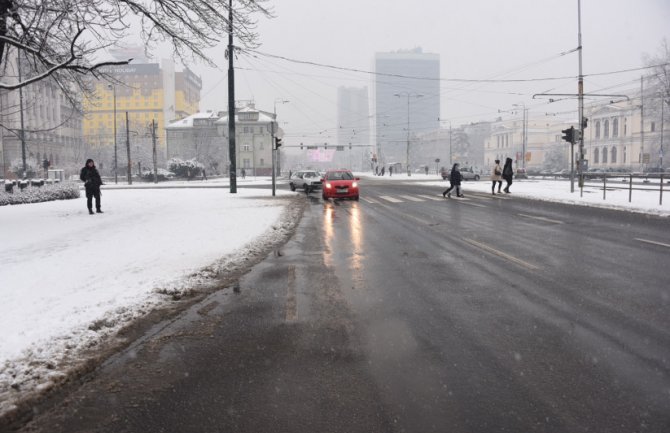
(455, 178)
(508, 174)
(92, 181)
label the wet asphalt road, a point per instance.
(486, 314)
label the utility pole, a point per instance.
(155, 157)
(660, 155)
(23, 132)
(116, 174)
(231, 103)
(641, 157)
(580, 92)
(130, 176)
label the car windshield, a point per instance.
(340, 175)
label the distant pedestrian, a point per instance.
(383, 169)
(244, 173)
(508, 174)
(496, 176)
(426, 167)
(92, 181)
(391, 171)
(204, 175)
(188, 174)
(455, 179)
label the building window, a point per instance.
(625, 128)
(613, 159)
(653, 126)
(596, 154)
(624, 148)
(262, 162)
(246, 129)
(246, 163)
(605, 154)
(615, 128)
(606, 132)
(246, 148)
(597, 130)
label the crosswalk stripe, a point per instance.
(411, 198)
(369, 200)
(430, 197)
(391, 199)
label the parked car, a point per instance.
(307, 180)
(521, 173)
(468, 173)
(340, 184)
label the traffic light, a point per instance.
(585, 122)
(277, 142)
(569, 135)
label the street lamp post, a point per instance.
(450, 152)
(113, 88)
(415, 95)
(524, 133)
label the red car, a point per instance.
(339, 184)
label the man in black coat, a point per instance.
(92, 181)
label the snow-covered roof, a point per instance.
(187, 122)
(263, 117)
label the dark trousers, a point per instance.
(458, 189)
(509, 183)
(90, 193)
(493, 187)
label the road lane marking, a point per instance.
(391, 199)
(291, 299)
(661, 244)
(369, 200)
(430, 197)
(501, 254)
(539, 218)
(411, 198)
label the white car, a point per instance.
(307, 180)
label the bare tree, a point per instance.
(67, 39)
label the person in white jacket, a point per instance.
(496, 176)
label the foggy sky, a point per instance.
(476, 39)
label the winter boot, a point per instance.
(98, 211)
(90, 211)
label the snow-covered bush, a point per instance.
(188, 168)
(163, 174)
(59, 191)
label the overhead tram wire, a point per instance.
(283, 90)
(458, 80)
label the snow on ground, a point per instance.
(70, 279)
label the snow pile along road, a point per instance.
(71, 280)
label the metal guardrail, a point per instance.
(629, 179)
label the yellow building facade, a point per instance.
(146, 92)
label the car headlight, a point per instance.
(328, 185)
(354, 185)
